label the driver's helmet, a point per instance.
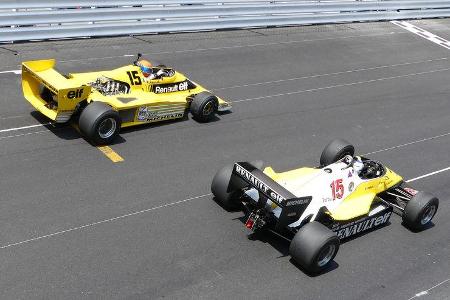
(146, 67)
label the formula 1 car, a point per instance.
(343, 197)
(105, 101)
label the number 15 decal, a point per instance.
(337, 189)
(134, 77)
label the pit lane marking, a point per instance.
(106, 150)
(423, 33)
(425, 292)
(110, 153)
(151, 209)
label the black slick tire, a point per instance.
(313, 247)
(99, 123)
(420, 210)
(336, 150)
(219, 188)
(204, 106)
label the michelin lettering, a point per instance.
(144, 114)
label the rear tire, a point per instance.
(420, 210)
(99, 123)
(336, 150)
(313, 247)
(219, 187)
(204, 106)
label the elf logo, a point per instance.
(75, 94)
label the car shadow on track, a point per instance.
(281, 244)
(67, 131)
(426, 227)
(64, 131)
(139, 129)
(278, 241)
(70, 131)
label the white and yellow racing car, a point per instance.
(106, 101)
(343, 197)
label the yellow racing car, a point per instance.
(317, 207)
(106, 101)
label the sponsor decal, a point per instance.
(350, 173)
(75, 94)
(298, 201)
(365, 224)
(410, 190)
(351, 186)
(144, 114)
(173, 87)
(327, 199)
(258, 184)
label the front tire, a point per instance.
(204, 106)
(99, 123)
(336, 150)
(420, 210)
(313, 247)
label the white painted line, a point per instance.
(228, 47)
(410, 143)
(272, 44)
(18, 72)
(331, 74)
(104, 221)
(11, 117)
(24, 127)
(338, 85)
(423, 293)
(423, 33)
(428, 175)
(152, 209)
(24, 134)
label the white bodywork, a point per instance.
(319, 185)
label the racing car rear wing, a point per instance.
(62, 96)
(245, 174)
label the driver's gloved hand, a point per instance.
(160, 73)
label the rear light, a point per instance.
(249, 224)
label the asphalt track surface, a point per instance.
(75, 225)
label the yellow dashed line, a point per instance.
(110, 153)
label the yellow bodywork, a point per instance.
(70, 90)
(356, 204)
(359, 201)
